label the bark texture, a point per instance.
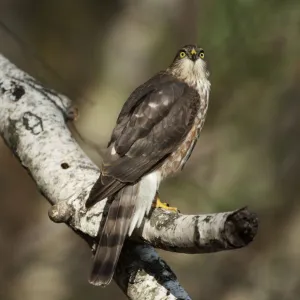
(33, 125)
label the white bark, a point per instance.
(32, 123)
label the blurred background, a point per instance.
(97, 52)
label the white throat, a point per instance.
(194, 74)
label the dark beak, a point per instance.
(194, 57)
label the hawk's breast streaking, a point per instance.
(155, 133)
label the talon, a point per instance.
(158, 204)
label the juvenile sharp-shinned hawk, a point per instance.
(155, 134)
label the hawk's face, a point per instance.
(189, 64)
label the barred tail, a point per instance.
(113, 235)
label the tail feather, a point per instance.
(113, 235)
(105, 186)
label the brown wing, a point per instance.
(151, 125)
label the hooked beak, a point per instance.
(194, 54)
(194, 57)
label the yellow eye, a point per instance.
(182, 54)
(201, 55)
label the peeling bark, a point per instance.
(33, 125)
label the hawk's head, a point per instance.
(189, 64)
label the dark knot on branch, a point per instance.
(241, 227)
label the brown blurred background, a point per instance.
(248, 153)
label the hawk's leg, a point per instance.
(158, 204)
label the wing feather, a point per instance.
(153, 122)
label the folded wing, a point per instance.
(153, 122)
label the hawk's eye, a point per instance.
(201, 54)
(182, 54)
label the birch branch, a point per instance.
(33, 125)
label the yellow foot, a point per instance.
(158, 204)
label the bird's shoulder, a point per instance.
(163, 84)
(156, 104)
